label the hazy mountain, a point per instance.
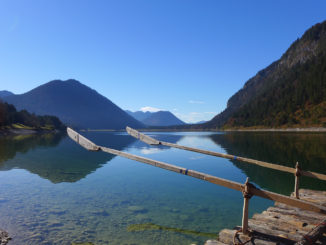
(5, 93)
(75, 104)
(162, 118)
(200, 122)
(139, 115)
(289, 92)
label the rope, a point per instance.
(297, 171)
(246, 191)
(308, 239)
(241, 243)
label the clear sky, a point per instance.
(185, 56)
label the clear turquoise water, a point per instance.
(52, 191)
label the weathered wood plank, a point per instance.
(142, 137)
(214, 242)
(289, 223)
(313, 235)
(283, 222)
(258, 238)
(81, 140)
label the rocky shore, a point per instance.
(4, 237)
(8, 132)
(311, 129)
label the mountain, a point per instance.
(200, 122)
(162, 118)
(290, 92)
(5, 93)
(75, 104)
(139, 115)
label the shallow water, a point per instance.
(52, 191)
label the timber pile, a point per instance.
(282, 224)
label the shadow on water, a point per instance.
(280, 148)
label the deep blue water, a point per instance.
(52, 191)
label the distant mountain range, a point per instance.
(139, 115)
(74, 104)
(290, 92)
(160, 118)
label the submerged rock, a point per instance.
(100, 212)
(4, 237)
(137, 209)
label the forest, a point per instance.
(11, 118)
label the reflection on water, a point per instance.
(52, 191)
(280, 148)
(10, 145)
(55, 157)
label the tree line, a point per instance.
(9, 116)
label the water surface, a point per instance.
(52, 191)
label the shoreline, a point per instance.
(12, 132)
(310, 129)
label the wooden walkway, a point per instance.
(280, 224)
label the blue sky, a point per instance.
(186, 56)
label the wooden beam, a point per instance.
(89, 145)
(228, 156)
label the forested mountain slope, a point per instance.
(290, 92)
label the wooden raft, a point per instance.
(281, 224)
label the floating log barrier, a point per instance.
(87, 144)
(149, 140)
(247, 189)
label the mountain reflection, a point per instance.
(152, 149)
(279, 148)
(57, 158)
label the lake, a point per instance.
(52, 191)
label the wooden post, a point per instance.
(245, 214)
(297, 181)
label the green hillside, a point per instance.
(291, 92)
(11, 118)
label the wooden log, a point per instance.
(245, 211)
(258, 238)
(300, 222)
(212, 179)
(314, 234)
(296, 182)
(142, 137)
(269, 229)
(139, 135)
(283, 222)
(81, 140)
(213, 242)
(296, 213)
